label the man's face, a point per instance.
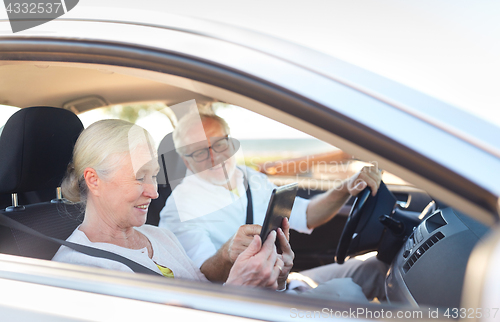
(207, 159)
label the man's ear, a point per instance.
(186, 164)
(92, 180)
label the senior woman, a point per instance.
(113, 174)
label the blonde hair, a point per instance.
(100, 146)
(188, 121)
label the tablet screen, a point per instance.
(280, 206)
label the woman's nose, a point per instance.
(151, 190)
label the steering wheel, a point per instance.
(351, 225)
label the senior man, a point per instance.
(207, 211)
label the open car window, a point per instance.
(155, 117)
(6, 111)
(286, 155)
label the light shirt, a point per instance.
(204, 216)
(167, 252)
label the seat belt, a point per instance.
(91, 251)
(249, 201)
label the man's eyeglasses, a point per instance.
(218, 146)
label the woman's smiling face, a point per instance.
(125, 196)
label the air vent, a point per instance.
(421, 250)
(434, 222)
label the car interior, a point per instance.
(36, 147)
(36, 143)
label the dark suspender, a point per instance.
(249, 201)
(91, 251)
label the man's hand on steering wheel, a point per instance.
(368, 176)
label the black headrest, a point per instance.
(170, 163)
(36, 146)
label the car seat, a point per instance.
(36, 146)
(172, 171)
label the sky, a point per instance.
(6, 112)
(246, 124)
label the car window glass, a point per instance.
(155, 117)
(286, 154)
(6, 112)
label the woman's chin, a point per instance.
(140, 222)
(140, 217)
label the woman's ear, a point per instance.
(92, 180)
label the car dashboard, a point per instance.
(434, 255)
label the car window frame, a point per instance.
(469, 196)
(281, 98)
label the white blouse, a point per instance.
(167, 252)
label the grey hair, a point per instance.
(191, 119)
(101, 146)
